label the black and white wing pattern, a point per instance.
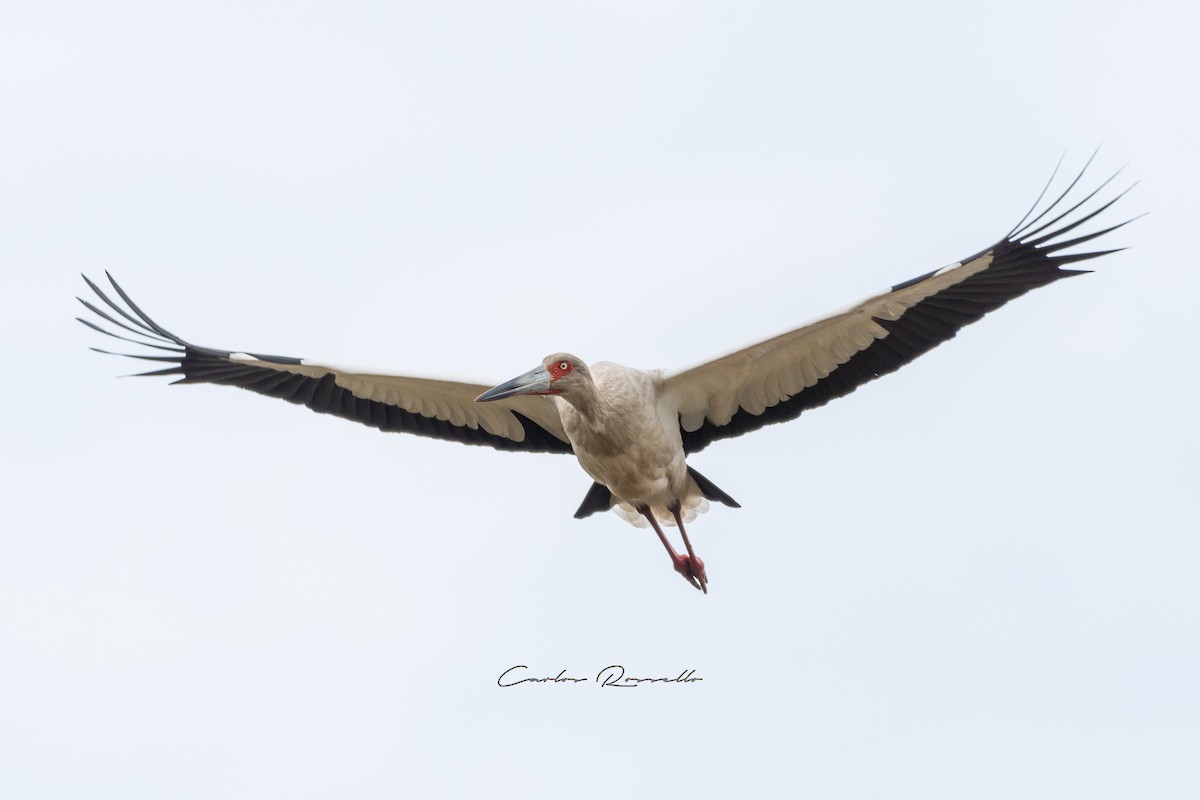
(777, 379)
(436, 408)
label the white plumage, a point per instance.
(631, 429)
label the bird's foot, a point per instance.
(692, 570)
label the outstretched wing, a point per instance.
(775, 380)
(440, 409)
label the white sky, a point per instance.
(978, 577)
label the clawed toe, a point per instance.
(698, 572)
(692, 570)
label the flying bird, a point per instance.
(632, 430)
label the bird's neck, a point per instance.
(587, 401)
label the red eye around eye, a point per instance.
(560, 369)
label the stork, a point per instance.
(630, 429)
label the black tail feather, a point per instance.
(710, 490)
(599, 498)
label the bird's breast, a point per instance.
(624, 443)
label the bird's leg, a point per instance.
(682, 563)
(694, 562)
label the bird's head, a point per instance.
(560, 373)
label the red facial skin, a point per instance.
(557, 371)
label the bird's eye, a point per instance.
(564, 366)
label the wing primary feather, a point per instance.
(116, 308)
(1025, 235)
(283, 385)
(1065, 229)
(140, 330)
(132, 305)
(217, 374)
(288, 389)
(1042, 194)
(134, 355)
(1071, 258)
(178, 370)
(96, 327)
(1056, 246)
(1021, 233)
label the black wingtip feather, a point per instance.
(1042, 194)
(1072, 258)
(1026, 234)
(1061, 197)
(153, 325)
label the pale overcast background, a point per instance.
(978, 577)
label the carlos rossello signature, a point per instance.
(612, 675)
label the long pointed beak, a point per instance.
(536, 380)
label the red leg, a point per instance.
(682, 563)
(697, 566)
